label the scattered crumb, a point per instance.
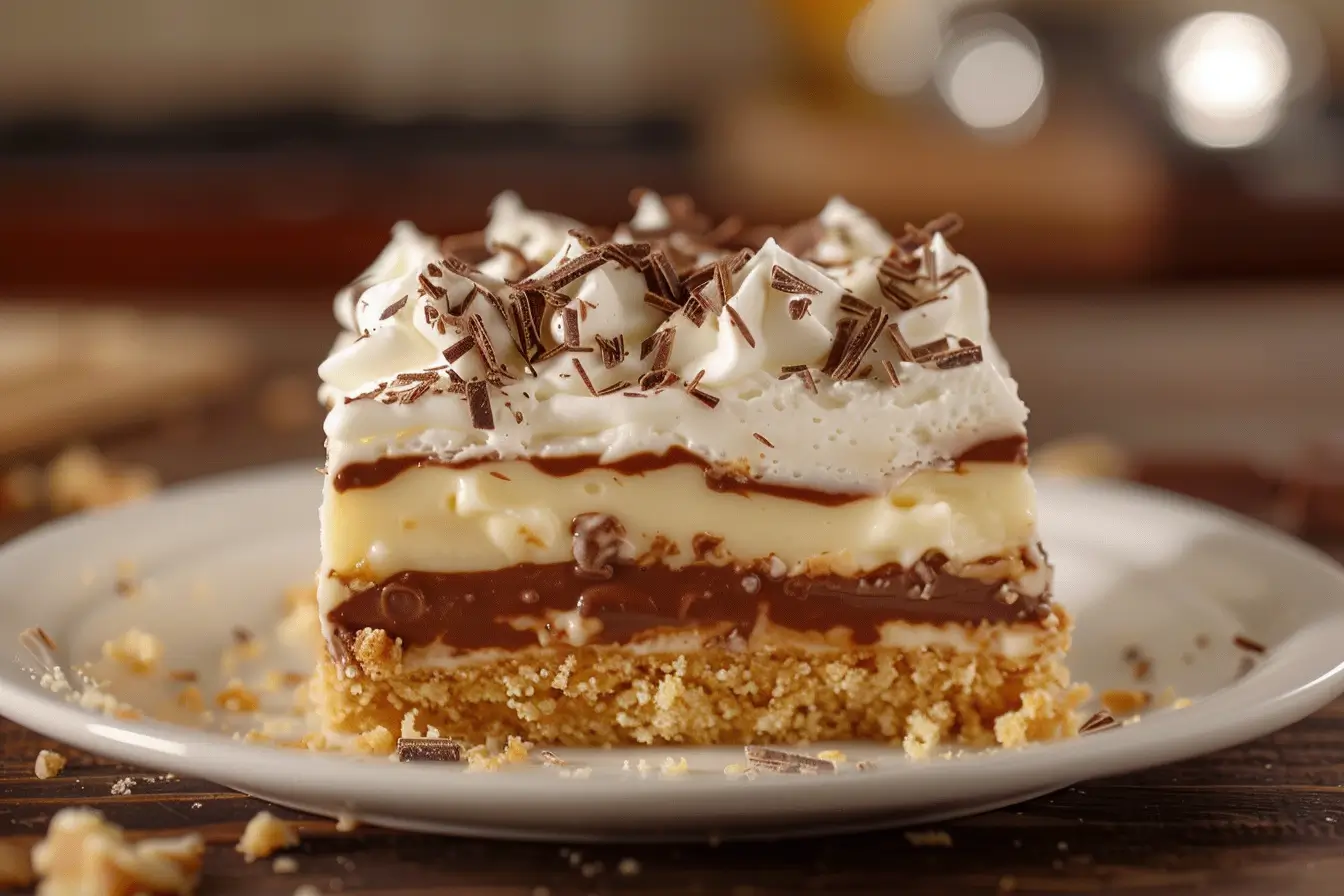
(643, 768)
(1086, 456)
(191, 699)
(865, 765)
(516, 750)
(188, 676)
(285, 403)
(285, 865)
(549, 758)
(628, 867)
(81, 478)
(16, 870)
(736, 769)
(673, 768)
(138, 651)
(237, 698)
(345, 822)
(264, 835)
(481, 759)
(928, 838)
(49, 764)
(579, 773)
(590, 869)
(835, 756)
(1181, 703)
(123, 786)
(85, 854)
(1202, 641)
(1123, 702)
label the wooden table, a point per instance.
(1259, 818)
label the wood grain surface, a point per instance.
(1256, 819)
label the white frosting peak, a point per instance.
(418, 327)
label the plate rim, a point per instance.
(1288, 692)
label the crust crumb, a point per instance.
(81, 477)
(138, 651)
(236, 697)
(928, 838)
(265, 834)
(85, 854)
(48, 764)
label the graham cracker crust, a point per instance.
(607, 695)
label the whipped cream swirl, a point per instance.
(843, 363)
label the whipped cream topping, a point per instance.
(847, 361)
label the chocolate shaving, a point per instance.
(802, 372)
(428, 749)
(372, 393)
(723, 281)
(663, 274)
(476, 326)
(468, 299)
(798, 307)
(698, 307)
(583, 375)
(392, 309)
(853, 304)
(549, 758)
(891, 372)
(916, 238)
(858, 347)
(789, 282)
(611, 350)
(785, 762)
(662, 303)
(478, 403)
(550, 353)
(903, 349)
(698, 276)
(704, 397)
(959, 357)
(659, 345)
(1101, 720)
(570, 319)
(763, 440)
(614, 387)
(621, 254)
(739, 261)
(1246, 643)
(695, 380)
(842, 333)
(657, 378)
(740, 324)
(406, 379)
(429, 288)
(459, 348)
(928, 350)
(575, 268)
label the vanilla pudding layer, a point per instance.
(496, 515)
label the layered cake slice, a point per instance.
(681, 482)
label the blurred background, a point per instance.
(1154, 189)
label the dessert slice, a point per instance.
(681, 483)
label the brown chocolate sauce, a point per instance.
(473, 610)
(371, 474)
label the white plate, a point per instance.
(1135, 567)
